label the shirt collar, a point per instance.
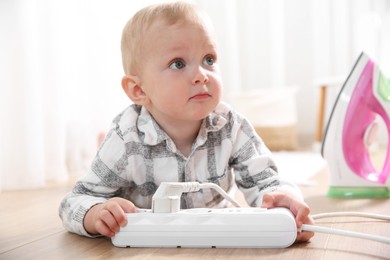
(153, 134)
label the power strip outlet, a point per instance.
(203, 227)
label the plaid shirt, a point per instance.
(137, 155)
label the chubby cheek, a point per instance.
(172, 100)
(217, 88)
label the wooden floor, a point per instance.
(31, 229)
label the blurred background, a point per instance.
(60, 72)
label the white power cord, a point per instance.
(221, 191)
(341, 232)
(335, 231)
(351, 214)
(167, 197)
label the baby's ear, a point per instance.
(131, 86)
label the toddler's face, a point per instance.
(180, 73)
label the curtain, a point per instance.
(60, 68)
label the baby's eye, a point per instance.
(209, 60)
(177, 64)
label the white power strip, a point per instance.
(165, 225)
(228, 227)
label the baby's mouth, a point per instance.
(201, 96)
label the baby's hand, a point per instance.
(108, 217)
(299, 208)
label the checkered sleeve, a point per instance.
(254, 168)
(103, 181)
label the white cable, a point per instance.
(196, 186)
(351, 214)
(345, 233)
(167, 197)
(221, 191)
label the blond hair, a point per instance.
(133, 35)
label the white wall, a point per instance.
(60, 64)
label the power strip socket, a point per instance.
(203, 227)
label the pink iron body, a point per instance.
(364, 96)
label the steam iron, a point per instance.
(350, 130)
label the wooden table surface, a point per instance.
(31, 229)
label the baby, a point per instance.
(177, 130)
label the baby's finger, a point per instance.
(119, 207)
(268, 201)
(127, 206)
(304, 236)
(108, 217)
(302, 216)
(118, 216)
(103, 229)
